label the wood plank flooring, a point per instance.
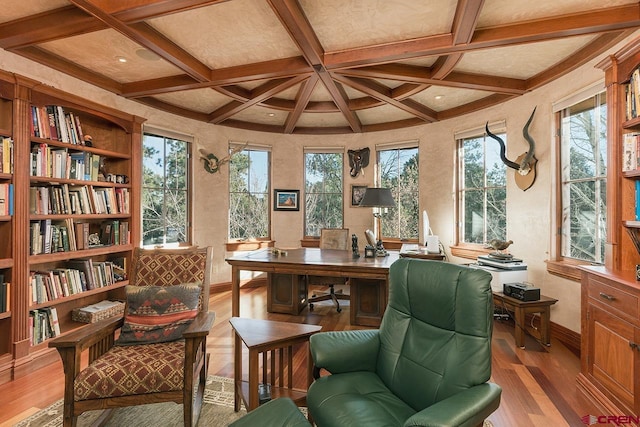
(539, 387)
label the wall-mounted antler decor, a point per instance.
(525, 164)
(212, 163)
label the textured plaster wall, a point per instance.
(528, 213)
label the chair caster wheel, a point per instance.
(310, 307)
(338, 309)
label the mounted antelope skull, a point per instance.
(358, 159)
(525, 164)
(212, 163)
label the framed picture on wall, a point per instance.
(286, 200)
(357, 193)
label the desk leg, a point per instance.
(520, 319)
(545, 325)
(253, 380)
(235, 291)
(237, 372)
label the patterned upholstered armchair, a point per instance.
(160, 354)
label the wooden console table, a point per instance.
(521, 309)
(271, 339)
(368, 277)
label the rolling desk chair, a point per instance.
(330, 238)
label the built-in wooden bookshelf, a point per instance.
(610, 318)
(102, 235)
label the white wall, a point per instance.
(528, 213)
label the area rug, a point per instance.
(217, 410)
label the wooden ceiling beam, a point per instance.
(383, 93)
(583, 23)
(444, 65)
(465, 20)
(71, 21)
(278, 68)
(422, 75)
(146, 36)
(258, 95)
(341, 99)
(302, 99)
(473, 106)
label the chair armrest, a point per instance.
(88, 334)
(345, 351)
(200, 326)
(467, 408)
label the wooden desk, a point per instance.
(521, 308)
(368, 277)
(271, 339)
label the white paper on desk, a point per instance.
(410, 248)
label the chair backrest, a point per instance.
(334, 238)
(169, 267)
(436, 330)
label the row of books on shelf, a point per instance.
(53, 122)
(5, 295)
(53, 162)
(44, 324)
(77, 276)
(6, 198)
(632, 95)
(49, 236)
(6, 155)
(68, 199)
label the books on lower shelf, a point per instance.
(44, 324)
(49, 236)
(6, 155)
(79, 275)
(77, 199)
(630, 151)
(6, 199)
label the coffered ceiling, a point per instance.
(316, 66)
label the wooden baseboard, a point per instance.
(226, 286)
(568, 337)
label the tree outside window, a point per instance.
(165, 190)
(323, 195)
(398, 169)
(249, 195)
(482, 193)
(584, 170)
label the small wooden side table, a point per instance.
(272, 340)
(521, 309)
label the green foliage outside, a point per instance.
(399, 172)
(164, 190)
(323, 194)
(248, 195)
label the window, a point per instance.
(165, 188)
(249, 193)
(583, 170)
(323, 198)
(482, 193)
(398, 170)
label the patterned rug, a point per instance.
(217, 411)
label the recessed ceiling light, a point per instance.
(271, 114)
(439, 97)
(121, 59)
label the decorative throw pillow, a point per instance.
(157, 313)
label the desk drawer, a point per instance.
(623, 302)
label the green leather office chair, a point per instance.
(428, 364)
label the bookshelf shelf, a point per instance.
(5, 315)
(6, 263)
(84, 253)
(81, 295)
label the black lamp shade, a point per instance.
(377, 198)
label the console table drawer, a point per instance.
(613, 297)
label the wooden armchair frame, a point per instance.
(99, 337)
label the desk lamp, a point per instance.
(378, 198)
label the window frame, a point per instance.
(558, 264)
(461, 248)
(403, 145)
(323, 150)
(189, 141)
(261, 241)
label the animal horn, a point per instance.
(524, 165)
(509, 163)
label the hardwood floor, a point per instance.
(538, 383)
